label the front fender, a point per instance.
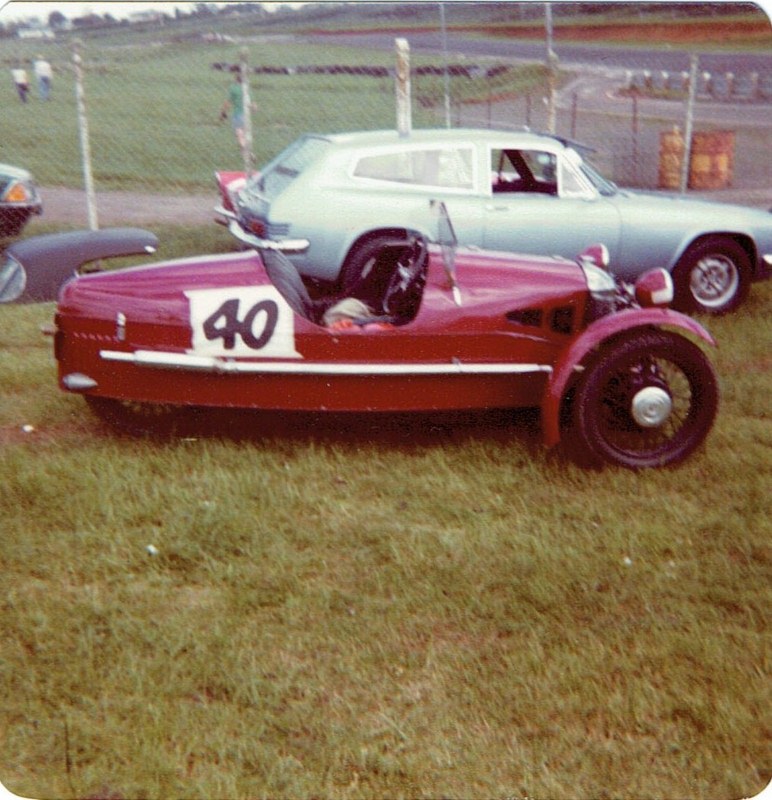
(593, 337)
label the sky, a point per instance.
(22, 9)
(77, 8)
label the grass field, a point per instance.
(357, 608)
(377, 608)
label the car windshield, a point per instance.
(286, 167)
(446, 238)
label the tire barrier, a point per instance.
(723, 87)
(470, 71)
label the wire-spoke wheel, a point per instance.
(647, 401)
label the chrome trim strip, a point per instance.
(282, 245)
(226, 213)
(214, 364)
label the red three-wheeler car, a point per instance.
(618, 377)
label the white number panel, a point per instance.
(241, 321)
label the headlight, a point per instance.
(18, 193)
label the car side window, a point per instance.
(572, 184)
(523, 171)
(448, 167)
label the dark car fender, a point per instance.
(592, 338)
(34, 270)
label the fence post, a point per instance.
(689, 123)
(247, 103)
(445, 70)
(85, 146)
(552, 72)
(404, 121)
(574, 110)
(635, 137)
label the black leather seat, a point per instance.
(286, 278)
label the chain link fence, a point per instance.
(146, 110)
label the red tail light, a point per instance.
(257, 227)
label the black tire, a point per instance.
(356, 275)
(12, 222)
(713, 277)
(618, 410)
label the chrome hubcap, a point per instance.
(651, 407)
(714, 280)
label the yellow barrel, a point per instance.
(671, 157)
(712, 160)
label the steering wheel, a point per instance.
(408, 271)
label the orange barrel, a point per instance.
(711, 165)
(671, 157)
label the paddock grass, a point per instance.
(379, 607)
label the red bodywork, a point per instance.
(226, 183)
(215, 332)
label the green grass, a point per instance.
(386, 608)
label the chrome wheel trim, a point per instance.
(651, 407)
(714, 281)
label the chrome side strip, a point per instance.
(183, 361)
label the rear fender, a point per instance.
(598, 333)
(33, 270)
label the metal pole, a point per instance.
(247, 103)
(85, 147)
(552, 69)
(404, 119)
(445, 56)
(694, 63)
(548, 29)
(574, 111)
(635, 138)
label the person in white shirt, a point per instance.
(19, 75)
(44, 74)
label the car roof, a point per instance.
(522, 138)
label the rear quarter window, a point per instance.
(449, 168)
(294, 162)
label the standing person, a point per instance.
(235, 104)
(44, 74)
(19, 75)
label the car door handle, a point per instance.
(491, 207)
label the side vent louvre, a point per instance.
(532, 317)
(563, 319)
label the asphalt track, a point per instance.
(615, 57)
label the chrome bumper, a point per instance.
(231, 221)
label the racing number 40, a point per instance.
(225, 323)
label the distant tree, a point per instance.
(56, 20)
